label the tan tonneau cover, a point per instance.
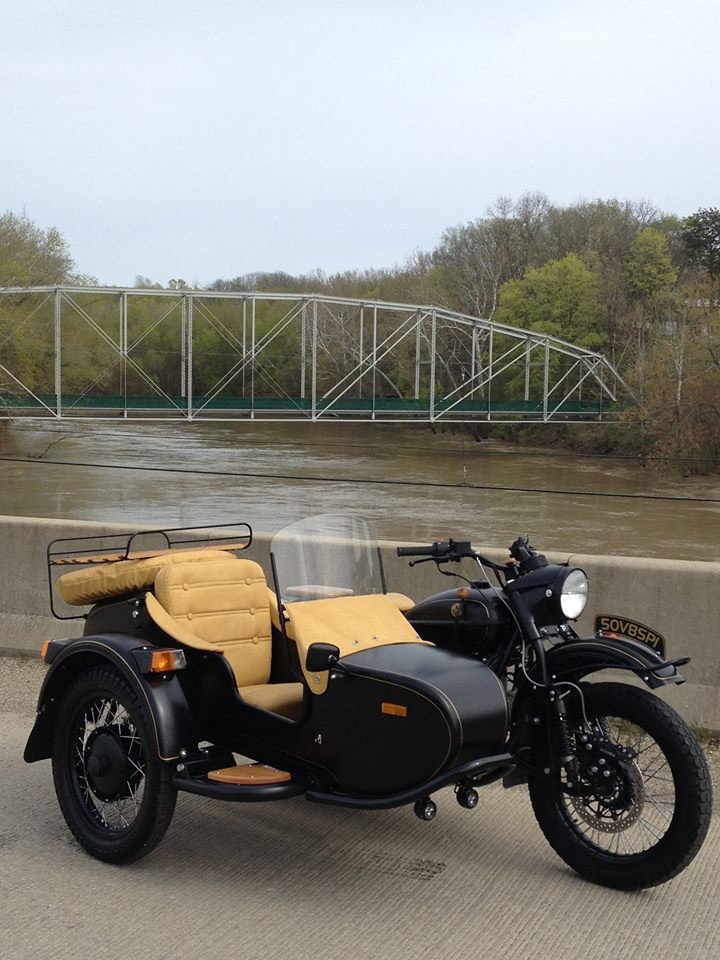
(351, 623)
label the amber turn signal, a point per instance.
(44, 650)
(165, 661)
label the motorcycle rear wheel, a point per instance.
(646, 812)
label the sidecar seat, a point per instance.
(222, 605)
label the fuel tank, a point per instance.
(395, 716)
(471, 619)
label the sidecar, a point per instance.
(192, 674)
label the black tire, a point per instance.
(652, 822)
(117, 797)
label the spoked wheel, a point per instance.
(116, 796)
(642, 807)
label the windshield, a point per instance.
(331, 555)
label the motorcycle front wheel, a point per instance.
(642, 806)
(117, 797)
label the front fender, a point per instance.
(532, 716)
(579, 657)
(163, 695)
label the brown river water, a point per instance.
(413, 484)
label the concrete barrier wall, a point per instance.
(679, 599)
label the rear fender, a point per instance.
(162, 695)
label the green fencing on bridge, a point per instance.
(400, 405)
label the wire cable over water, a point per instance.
(298, 478)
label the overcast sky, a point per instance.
(210, 139)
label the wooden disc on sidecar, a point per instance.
(249, 774)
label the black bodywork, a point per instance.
(476, 621)
(471, 620)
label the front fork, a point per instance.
(564, 749)
(560, 748)
(542, 741)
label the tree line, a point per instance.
(619, 277)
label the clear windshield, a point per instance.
(331, 555)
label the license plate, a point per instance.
(611, 625)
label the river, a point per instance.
(413, 484)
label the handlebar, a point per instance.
(524, 557)
(447, 549)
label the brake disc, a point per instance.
(606, 816)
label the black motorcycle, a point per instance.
(193, 675)
(618, 781)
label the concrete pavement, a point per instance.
(297, 880)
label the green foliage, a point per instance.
(29, 255)
(649, 268)
(561, 298)
(701, 236)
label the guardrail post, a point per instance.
(58, 353)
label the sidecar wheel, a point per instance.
(116, 796)
(647, 792)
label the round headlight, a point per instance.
(574, 594)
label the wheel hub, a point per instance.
(106, 765)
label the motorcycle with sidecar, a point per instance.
(193, 675)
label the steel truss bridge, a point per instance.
(78, 352)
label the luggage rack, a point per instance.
(116, 547)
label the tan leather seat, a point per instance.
(223, 605)
(402, 602)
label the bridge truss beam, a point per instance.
(76, 352)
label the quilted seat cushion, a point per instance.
(90, 584)
(225, 604)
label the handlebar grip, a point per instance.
(417, 551)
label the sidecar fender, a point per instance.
(163, 694)
(578, 658)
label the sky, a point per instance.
(199, 140)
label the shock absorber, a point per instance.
(565, 749)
